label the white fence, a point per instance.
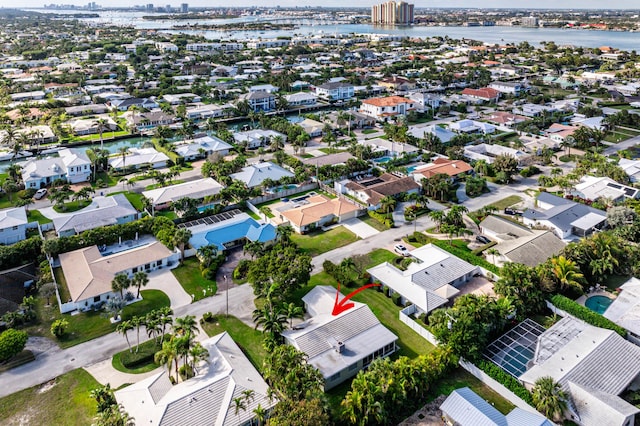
(405, 318)
(496, 386)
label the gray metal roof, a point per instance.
(443, 272)
(533, 249)
(596, 408)
(500, 225)
(466, 408)
(103, 211)
(255, 174)
(520, 417)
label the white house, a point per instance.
(139, 157)
(77, 163)
(382, 109)
(301, 99)
(254, 174)
(335, 91)
(88, 272)
(631, 168)
(339, 345)
(89, 126)
(208, 398)
(161, 198)
(13, 225)
(260, 101)
(594, 188)
(179, 98)
(72, 166)
(102, 211)
(489, 152)
(625, 309)
(428, 283)
(507, 87)
(472, 126)
(202, 147)
(257, 137)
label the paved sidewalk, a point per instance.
(360, 228)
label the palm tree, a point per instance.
(10, 137)
(152, 324)
(261, 414)
(493, 253)
(133, 109)
(123, 151)
(567, 273)
(137, 323)
(292, 311)
(438, 217)
(181, 239)
(123, 328)
(283, 233)
(168, 356)
(119, 283)
(549, 398)
(101, 125)
(140, 279)
(388, 204)
(186, 326)
(272, 319)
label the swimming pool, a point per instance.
(382, 160)
(206, 207)
(516, 359)
(598, 304)
(283, 188)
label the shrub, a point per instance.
(484, 247)
(529, 171)
(59, 327)
(241, 271)
(12, 342)
(383, 218)
(467, 256)
(208, 317)
(395, 297)
(505, 379)
(144, 355)
(586, 314)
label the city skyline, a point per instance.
(506, 4)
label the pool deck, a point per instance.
(582, 299)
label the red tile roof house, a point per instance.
(453, 168)
(373, 190)
(486, 94)
(388, 107)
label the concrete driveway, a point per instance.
(166, 282)
(360, 228)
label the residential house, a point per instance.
(533, 110)
(594, 188)
(260, 101)
(181, 98)
(486, 94)
(136, 158)
(148, 119)
(205, 111)
(201, 147)
(208, 398)
(301, 99)
(13, 225)
(371, 191)
(268, 88)
(256, 138)
(593, 366)
(319, 211)
(161, 198)
(464, 407)
(339, 345)
(72, 166)
(568, 219)
(625, 309)
(335, 91)
(420, 132)
(102, 211)
(425, 101)
(435, 277)
(254, 174)
(312, 127)
(382, 109)
(507, 87)
(329, 159)
(631, 168)
(397, 83)
(230, 229)
(389, 148)
(559, 132)
(89, 126)
(519, 244)
(504, 118)
(472, 126)
(455, 169)
(489, 152)
(88, 272)
(125, 104)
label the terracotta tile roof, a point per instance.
(442, 165)
(484, 93)
(318, 208)
(387, 101)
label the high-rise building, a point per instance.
(529, 21)
(392, 12)
(184, 7)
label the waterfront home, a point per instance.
(428, 283)
(256, 138)
(136, 158)
(338, 91)
(13, 225)
(88, 126)
(301, 99)
(72, 166)
(259, 101)
(390, 107)
(339, 345)
(202, 147)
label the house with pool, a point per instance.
(254, 174)
(200, 190)
(371, 190)
(228, 230)
(88, 271)
(317, 210)
(103, 211)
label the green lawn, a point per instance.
(134, 198)
(319, 242)
(148, 348)
(370, 131)
(36, 216)
(374, 223)
(107, 179)
(106, 136)
(506, 202)
(168, 213)
(460, 378)
(157, 185)
(151, 300)
(247, 338)
(190, 278)
(67, 402)
(62, 284)
(71, 206)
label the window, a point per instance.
(334, 377)
(96, 299)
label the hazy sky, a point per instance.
(595, 4)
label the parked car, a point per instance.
(401, 250)
(40, 193)
(512, 212)
(482, 239)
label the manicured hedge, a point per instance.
(586, 314)
(385, 219)
(144, 356)
(484, 247)
(467, 256)
(25, 251)
(510, 382)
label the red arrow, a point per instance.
(340, 306)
